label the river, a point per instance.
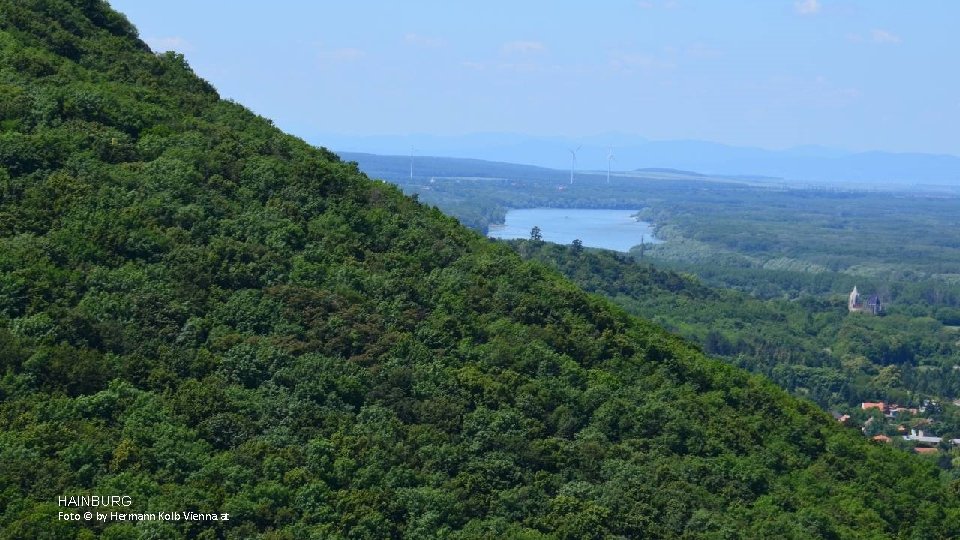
(616, 230)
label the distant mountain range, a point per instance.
(802, 163)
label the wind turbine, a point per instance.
(412, 150)
(573, 161)
(609, 159)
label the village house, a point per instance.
(889, 409)
(919, 437)
(896, 409)
(840, 417)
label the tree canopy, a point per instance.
(201, 312)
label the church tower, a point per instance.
(853, 304)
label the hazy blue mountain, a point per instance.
(803, 163)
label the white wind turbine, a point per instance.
(573, 161)
(412, 150)
(609, 159)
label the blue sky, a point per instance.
(858, 75)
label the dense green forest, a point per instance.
(812, 347)
(765, 238)
(796, 251)
(205, 314)
(906, 246)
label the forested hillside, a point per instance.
(202, 313)
(812, 347)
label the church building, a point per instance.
(855, 303)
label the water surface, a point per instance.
(608, 229)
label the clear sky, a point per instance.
(854, 74)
